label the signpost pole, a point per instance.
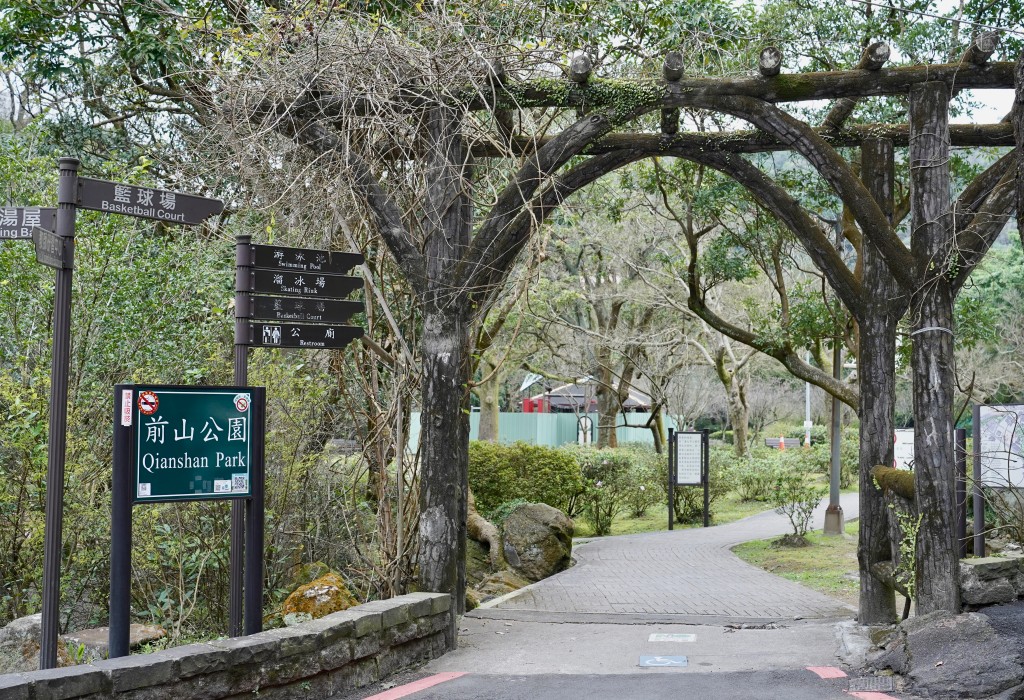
(671, 476)
(241, 378)
(400, 459)
(979, 499)
(67, 190)
(705, 445)
(960, 440)
(254, 507)
(121, 524)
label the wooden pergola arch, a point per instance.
(459, 266)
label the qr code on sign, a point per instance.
(145, 489)
(239, 482)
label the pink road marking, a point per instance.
(827, 671)
(871, 695)
(416, 686)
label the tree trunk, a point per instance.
(488, 392)
(607, 403)
(444, 469)
(739, 416)
(876, 376)
(736, 399)
(446, 343)
(658, 431)
(937, 579)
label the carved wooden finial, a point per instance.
(874, 56)
(770, 62)
(580, 68)
(982, 48)
(673, 68)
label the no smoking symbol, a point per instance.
(242, 403)
(148, 403)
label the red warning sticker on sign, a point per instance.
(148, 403)
(242, 403)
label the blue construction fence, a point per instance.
(554, 429)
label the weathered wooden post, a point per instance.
(931, 239)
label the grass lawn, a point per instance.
(825, 566)
(726, 510)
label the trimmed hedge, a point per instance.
(500, 473)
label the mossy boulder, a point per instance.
(322, 596)
(537, 540)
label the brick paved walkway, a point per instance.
(686, 576)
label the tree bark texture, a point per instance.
(446, 349)
(607, 401)
(736, 398)
(1018, 133)
(488, 393)
(937, 569)
(876, 375)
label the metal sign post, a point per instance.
(705, 443)
(277, 284)
(687, 466)
(238, 510)
(56, 452)
(181, 443)
(671, 477)
(53, 234)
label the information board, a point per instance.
(1000, 435)
(689, 459)
(189, 443)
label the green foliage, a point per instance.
(646, 482)
(607, 479)
(754, 477)
(796, 496)
(688, 501)
(500, 514)
(906, 568)
(501, 473)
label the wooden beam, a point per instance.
(696, 92)
(752, 141)
(982, 48)
(672, 71)
(1017, 120)
(873, 58)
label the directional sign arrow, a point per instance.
(300, 284)
(297, 309)
(274, 257)
(287, 335)
(145, 202)
(17, 222)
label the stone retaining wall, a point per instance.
(992, 580)
(316, 659)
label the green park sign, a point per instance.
(189, 443)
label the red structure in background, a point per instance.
(539, 404)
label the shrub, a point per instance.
(606, 475)
(796, 498)
(645, 484)
(754, 477)
(688, 501)
(501, 473)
